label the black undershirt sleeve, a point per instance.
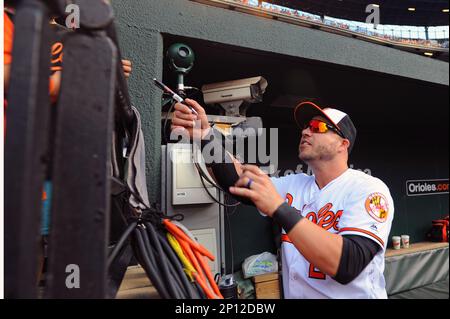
(357, 252)
(226, 176)
(224, 171)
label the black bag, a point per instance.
(439, 230)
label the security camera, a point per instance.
(231, 94)
(249, 90)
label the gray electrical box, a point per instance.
(187, 187)
(183, 193)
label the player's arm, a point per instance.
(320, 247)
(341, 257)
(8, 36)
(6, 73)
(55, 85)
(357, 252)
(127, 68)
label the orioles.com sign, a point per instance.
(427, 187)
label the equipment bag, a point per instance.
(439, 230)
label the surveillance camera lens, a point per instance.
(183, 52)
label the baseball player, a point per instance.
(335, 223)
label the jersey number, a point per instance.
(315, 273)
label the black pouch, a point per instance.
(439, 230)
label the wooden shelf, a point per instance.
(415, 248)
(136, 285)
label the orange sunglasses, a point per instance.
(318, 126)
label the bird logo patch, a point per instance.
(377, 206)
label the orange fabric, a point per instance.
(57, 56)
(51, 89)
(8, 36)
(285, 238)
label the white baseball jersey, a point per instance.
(353, 204)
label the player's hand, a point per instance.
(127, 68)
(262, 192)
(183, 119)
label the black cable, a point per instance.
(200, 291)
(162, 262)
(227, 217)
(179, 287)
(120, 243)
(166, 120)
(178, 282)
(174, 284)
(149, 248)
(201, 172)
(157, 258)
(203, 177)
(177, 265)
(146, 264)
(183, 286)
(149, 254)
(150, 265)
